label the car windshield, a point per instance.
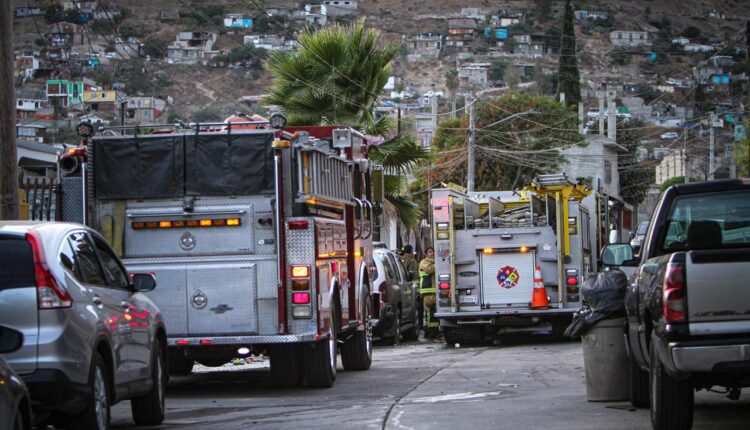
(708, 221)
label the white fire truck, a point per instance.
(259, 239)
(487, 246)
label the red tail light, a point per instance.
(50, 294)
(301, 298)
(444, 285)
(383, 288)
(673, 301)
(298, 225)
(571, 280)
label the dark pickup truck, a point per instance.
(688, 302)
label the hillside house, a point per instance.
(25, 66)
(697, 47)
(682, 41)
(508, 19)
(31, 132)
(316, 14)
(145, 110)
(590, 15)
(64, 93)
(473, 12)
(702, 74)
(424, 46)
(23, 12)
(192, 47)
(278, 11)
(270, 42)
(28, 102)
(340, 7)
(100, 100)
(461, 32)
(106, 15)
(237, 20)
(80, 6)
(170, 15)
(127, 48)
(629, 38)
(474, 74)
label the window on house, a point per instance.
(607, 172)
(20, 103)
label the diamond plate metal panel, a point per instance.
(222, 299)
(520, 294)
(268, 316)
(300, 247)
(72, 199)
(268, 279)
(170, 294)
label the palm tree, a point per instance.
(451, 82)
(336, 77)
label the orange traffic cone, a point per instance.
(539, 299)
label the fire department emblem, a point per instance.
(508, 277)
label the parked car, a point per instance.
(396, 295)
(15, 403)
(92, 338)
(688, 304)
(670, 135)
(638, 237)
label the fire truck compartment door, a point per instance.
(222, 299)
(507, 278)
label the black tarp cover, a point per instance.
(163, 166)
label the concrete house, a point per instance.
(461, 32)
(100, 100)
(340, 7)
(424, 46)
(237, 20)
(28, 102)
(193, 47)
(64, 93)
(316, 14)
(145, 110)
(474, 74)
(628, 38)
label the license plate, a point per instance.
(467, 300)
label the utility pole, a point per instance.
(711, 149)
(8, 150)
(685, 154)
(470, 169)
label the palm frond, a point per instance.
(398, 154)
(408, 212)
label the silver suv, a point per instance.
(91, 337)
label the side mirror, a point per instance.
(143, 282)
(378, 184)
(10, 340)
(617, 254)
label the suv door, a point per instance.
(18, 299)
(109, 304)
(136, 313)
(407, 293)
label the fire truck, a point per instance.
(260, 239)
(488, 246)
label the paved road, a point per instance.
(528, 382)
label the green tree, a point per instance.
(155, 47)
(104, 79)
(542, 10)
(567, 71)
(54, 13)
(451, 84)
(497, 70)
(336, 77)
(206, 114)
(742, 154)
(510, 150)
(691, 32)
(636, 176)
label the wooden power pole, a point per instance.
(8, 151)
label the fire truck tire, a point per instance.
(286, 369)
(320, 359)
(356, 352)
(179, 366)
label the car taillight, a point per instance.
(50, 294)
(673, 301)
(383, 288)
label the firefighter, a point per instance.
(409, 261)
(427, 292)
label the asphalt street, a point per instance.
(530, 381)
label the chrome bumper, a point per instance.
(206, 341)
(704, 358)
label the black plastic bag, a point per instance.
(604, 297)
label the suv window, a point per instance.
(113, 272)
(85, 264)
(390, 272)
(398, 267)
(16, 263)
(708, 221)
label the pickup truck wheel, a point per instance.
(96, 416)
(356, 352)
(286, 369)
(179, 366)
(639, 389)
(320, 358)
(149, 409)
(671, 400)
